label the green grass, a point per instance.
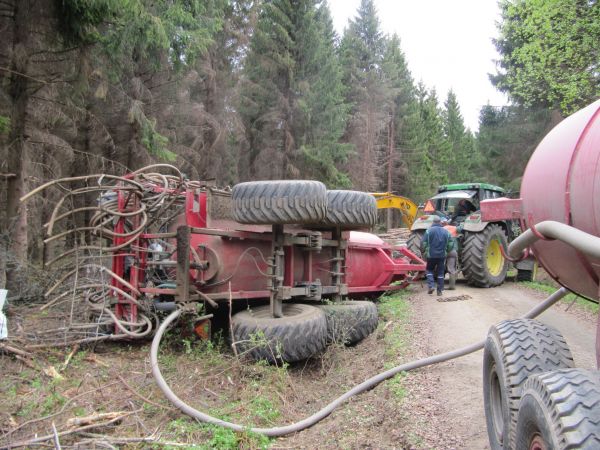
(213, 436)
(568, 299)
(397, 310)
(257, 404)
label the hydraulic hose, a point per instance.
(586, 243)
(310, 421)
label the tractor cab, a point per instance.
(454, 205)
(458, 201)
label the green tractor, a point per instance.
(480, 244)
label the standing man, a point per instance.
(436, 242)
(452, 253)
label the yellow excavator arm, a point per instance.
(406, 206)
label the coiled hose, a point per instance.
(310, 421)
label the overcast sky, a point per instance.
(447, 45)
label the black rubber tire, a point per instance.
(562, 408)
(415, 242)
(350, 321)
(514, 350)
(300, 334)
(474, 257)
(351, 209)
(279, 202)
(524, 275)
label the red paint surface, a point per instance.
(562, 183)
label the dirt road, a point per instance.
(458, 323)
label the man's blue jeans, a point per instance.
(435, 272)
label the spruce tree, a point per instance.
(400, 88)
(291, 101)
(362, 50)
(463, 158)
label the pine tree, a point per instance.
(362, 50)
(326, 106)
(400, 87)
(291, 99)
(431, 157)
(463, 158)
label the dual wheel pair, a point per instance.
(534, 399)
(303, 331)
(302, 202)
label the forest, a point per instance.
(238, 90)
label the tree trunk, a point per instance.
(16, 213)
(390, 162)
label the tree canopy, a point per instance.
(549, 53)
(235, 90)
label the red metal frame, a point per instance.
(236, 254)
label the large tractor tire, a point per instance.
(415, 242)
(483, 263)
(560, 410)
(351, 321)
(514, 350)
(351, 209)
(299, 334)
(279, 202)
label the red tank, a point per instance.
(562, 183)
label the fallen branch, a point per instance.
(56, 440)
(96, 417)
(137, 394)
(95, 438)
(64, 407)
(15, 351)
(69, 356)
(66, 432)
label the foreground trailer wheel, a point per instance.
(351, 321)
(483, 263)
(351, 209)
(560, 410)
(299, 334)
(514, 350)
(279, 202)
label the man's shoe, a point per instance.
(439, 293)
(430, 291)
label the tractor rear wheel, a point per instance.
(299, 334)
(350, 321)
(351, 209)
(560, 409)
(279, 202)
(415, 242)
(514, 350)
(483, 263)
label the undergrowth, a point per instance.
(394, 312)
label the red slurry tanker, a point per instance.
(534, 398)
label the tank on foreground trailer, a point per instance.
(534, 397)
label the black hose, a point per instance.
(310, 421)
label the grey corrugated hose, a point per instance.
(310, 421)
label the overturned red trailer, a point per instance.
(294, 255)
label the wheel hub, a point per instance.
(496, 405)
(537, 443)
(494, 258)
